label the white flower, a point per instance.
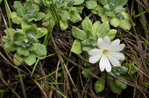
(108, 52)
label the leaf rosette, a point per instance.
(26, 13)
(25, 43)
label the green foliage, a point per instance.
(99, 85)
(27, 13)
(111, 11)
(63, 11)
(89, 35)
(25, 44)
(1, 1)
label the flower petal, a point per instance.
(114, 61)
(117, 55)
(94, 51)
(115, 42)
(93, 59)
(104, 64)
(100, 42)
(117, 47)
(107, 40)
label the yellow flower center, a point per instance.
(105, 51)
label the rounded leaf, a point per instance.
(91, 4)
(18, 59)
(76, 47)
(78, 34)
(100, 84)
(40, 50)
(87, 24)
(31, 59)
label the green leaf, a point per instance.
(1, 1)
(78, 2)
(16, 18)
(87, 24)
(23, 51)
(86, 74)
(10, 46)
(41, 50)
(31, 59)
(125, 24)
(41, 32)
(95, 28)
(100, 10)
(11, 31)
(75, 17)
(63, 25)
(110, 14)
(100, 84)
(29, 11)
(103, 29)
(18, 36)
(112, 34)
(88, 44)
(39, 16)
(120, 84)
(19, 8)
(31, 38)
(18, 60)
(91, 4)
(64, 15)
(103, 2)
(31, 29)
(114, 88)
(78, 34)
(122, 2)
(32, 48)
(115, 22)
(104, 18)
(76, 47)
(119, 70)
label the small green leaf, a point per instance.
(114, 88)
(31, 29)
(87, 24)
(41, 32)
(78, 34)
(10, 46)
(125, 24)
(18, 36)
(120, 84)
(112, 34)
(88, 44)
(91, 4)
(18, 59)
(39, 16)
(11, 31)
(19, 8)
(64, 15)
(104, 18)
(95, 28)
(78, 2)
(115, 22)
(120, 70)
(121, 2)
(31, 59)
(100, 84)
(41, 50)
(103, 2)
(103, 29)
(63, 25)
(32, 48)
(75, 17)
(86, 74)
(31, 38)
(23, 51)
(76, 47)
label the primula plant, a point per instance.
(95, 39)
(86, 39)
(25, 43)
(63, 11)
(111, 11)
(27, 13)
